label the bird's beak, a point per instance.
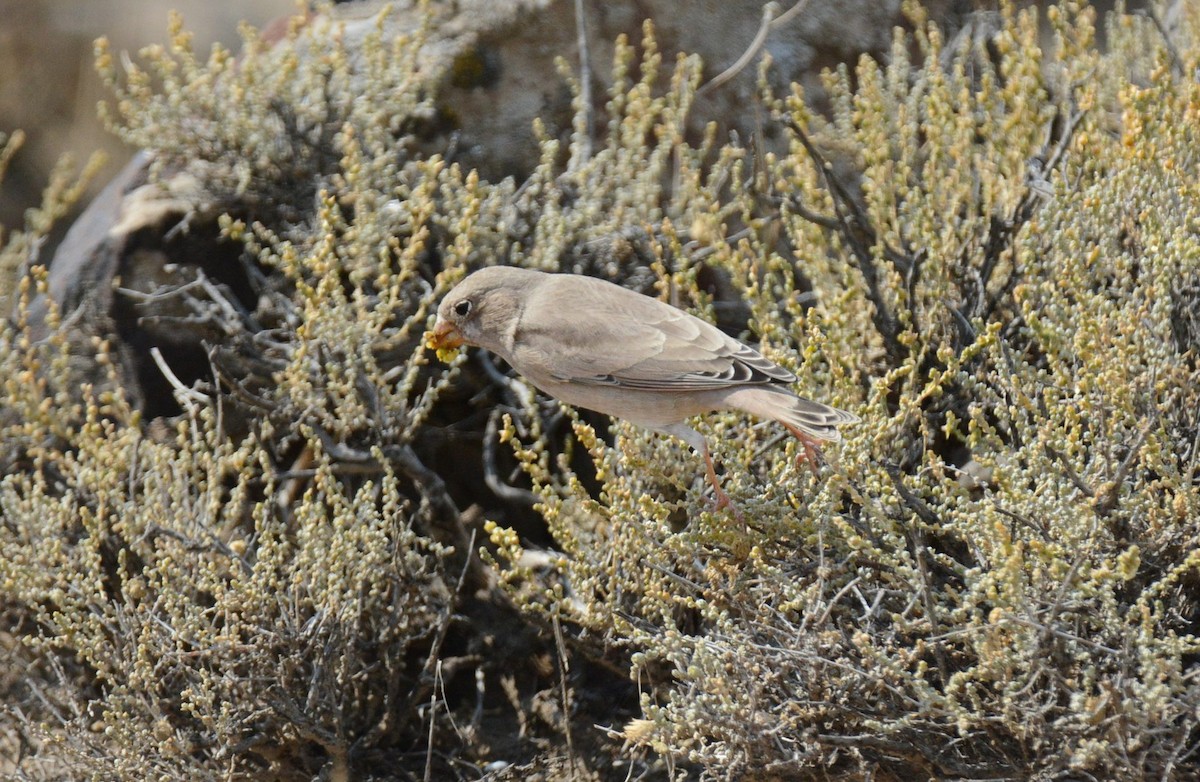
(445, 336)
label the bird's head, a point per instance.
(483, 310)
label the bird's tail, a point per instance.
(815, 419)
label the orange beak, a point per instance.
(445, 336)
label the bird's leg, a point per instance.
(722, 499)
(811, 445)
(700, 446)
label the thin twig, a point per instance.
(238, 390)
(771, 20)
(448, 520)
(834, 601)
(1000, 232)
(1069, 471)
(1017, 517)
(855, 228)
(491, 475)
(429, 747)
(182, 392)
(585, 84)
(819, 220)
(1048, 630)
(563, 668)
(1194, 457)
(1061, 593)
(163, 293)
(917, 540)
(433, 661)
(1107, 501)
(760, 37)
(1176, 60)
(210, 353)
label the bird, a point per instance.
(591, 343)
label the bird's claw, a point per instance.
(811, 457)
(721, 502)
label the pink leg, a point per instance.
(812, 448)
(722, 499)
(700, 445)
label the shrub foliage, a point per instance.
(987, 245)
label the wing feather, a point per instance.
(593, 332)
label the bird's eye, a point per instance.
(463, 308)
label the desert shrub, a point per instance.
(186, 608)
(987, 248)
(22, 249)
(250, 589)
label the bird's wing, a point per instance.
(585, 330)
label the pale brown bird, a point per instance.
(593, 344)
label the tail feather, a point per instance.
(813, 418)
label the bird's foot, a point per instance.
(811, 457)
(721, 501)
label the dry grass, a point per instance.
(988, 250)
